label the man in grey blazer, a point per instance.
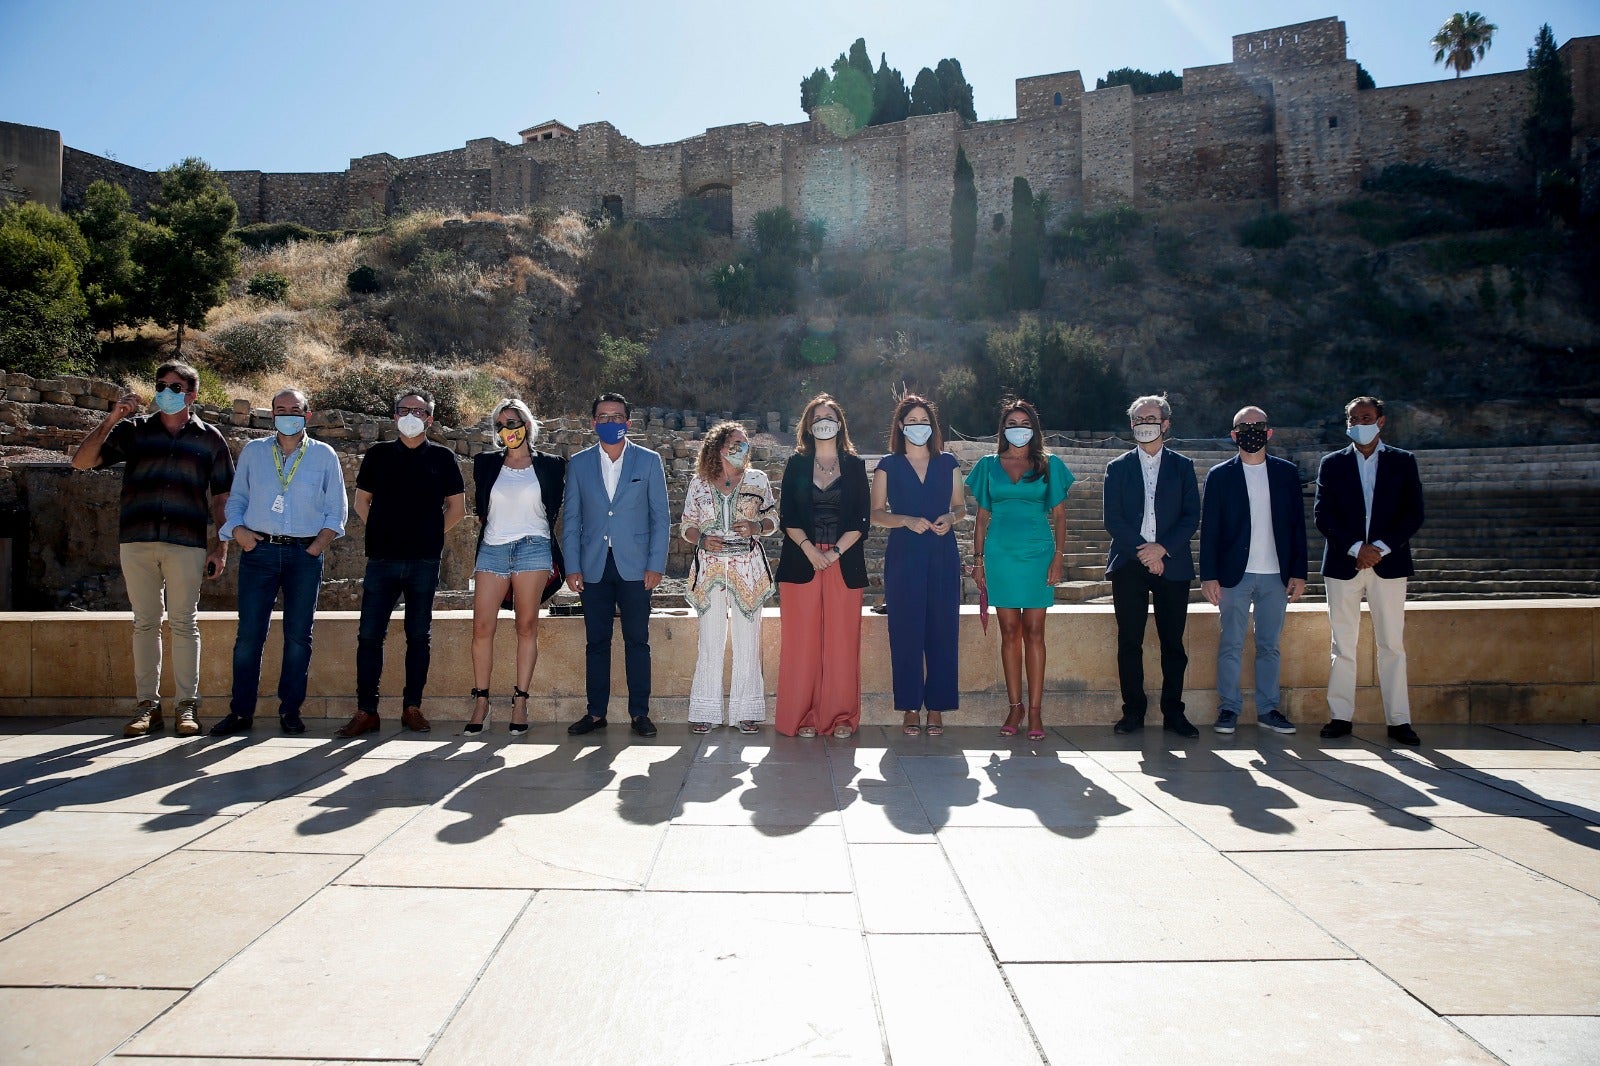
(614, 527)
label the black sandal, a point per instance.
(518, 728)
(474, 728)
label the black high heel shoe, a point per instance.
(518, 728)
(474, 728)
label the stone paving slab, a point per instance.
(361, 988)
(1323, 1012)
(727, 898)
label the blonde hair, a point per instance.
(513, 403)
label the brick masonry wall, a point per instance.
(1474, 123)
(1203, 145)
(79, 170)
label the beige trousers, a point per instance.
(157, 572)
(1386, 601)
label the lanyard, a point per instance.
(277, 463)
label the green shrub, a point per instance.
(620, 360)
(362, 280)
(1272, 229)
(44, 321)
(1460, 254)
(369, 388)
(733, 284)
(1122, 271)
(268, 285)
(269, 234)
(1482, 204)
(818, 349)
(251, 348)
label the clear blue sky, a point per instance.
(290, 85)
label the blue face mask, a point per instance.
(1363, 435)
(1019, 436)
(169, 402)
(611, 432)
(739, 453)
(918, 434)
(289, 425)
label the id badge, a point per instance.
(277, 504)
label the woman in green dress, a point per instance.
(1021, 493)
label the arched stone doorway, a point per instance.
(717, 202)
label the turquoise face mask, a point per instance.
(169, 402)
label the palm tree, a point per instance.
(1463, 40)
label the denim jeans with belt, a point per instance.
(263, 572)
(385, 582)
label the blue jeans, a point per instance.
(385, 582)
(1271, 600)
(602, 601)
(262, 573)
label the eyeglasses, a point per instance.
(514, 423)
(179, 387)
(420, 412)
(1148, 421)
(610, 418)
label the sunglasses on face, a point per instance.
(172, 386)
(514, 423)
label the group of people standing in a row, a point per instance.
(284, 502)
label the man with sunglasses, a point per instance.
(1252, 554)
(171, 460)
(410, 493)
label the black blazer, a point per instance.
(1177, 511)
(1341, 511)
(1226, 529)
(855, 512)
(551, 470)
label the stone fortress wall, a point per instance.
(1282, 124)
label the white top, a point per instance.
(611, 471)
(1151, 465)
(1263, 545)
(1367, 467)
(516, 507)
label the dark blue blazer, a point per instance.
(1341, 512)
(1177, 511)
(1225, 527)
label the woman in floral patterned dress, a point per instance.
(727, 511)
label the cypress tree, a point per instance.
(1022, 266)
(963, 216)
(927, 95)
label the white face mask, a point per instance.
(825, 429)
(918, 434)
(1019, 436)
(1364, 435)
(410, 426)
(1147, 432)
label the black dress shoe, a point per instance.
(291, 724)
(1336, 728)
(1129, 723)
(644, 726)
(231, 724)
(586, 724)
(1404, 734)
(1180, 725)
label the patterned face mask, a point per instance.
(1251, 436)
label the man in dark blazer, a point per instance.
(1152, 508)
(1252, 553)
(614, 537)
(1369, 506)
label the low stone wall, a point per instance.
(1522, 661)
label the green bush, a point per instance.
(619, 361)
(269, 234)
(1270, 230)
(1481, 204)
(268, 285)
(1122, 271)
(251, 348)
(44, 321)
(733, 284)
(369, 388)
(818, 349)
(362, 280)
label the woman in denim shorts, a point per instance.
(518, 493)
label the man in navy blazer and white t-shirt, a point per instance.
(614, 526)
(1369, 506)
(1252, 553)
(1152, 508)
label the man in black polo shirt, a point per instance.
(409, 492)
(172, 460)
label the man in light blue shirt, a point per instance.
(288, 504)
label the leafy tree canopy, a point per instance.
(1141, 81)
(873, 97)
(188, 252)
(1463, 40)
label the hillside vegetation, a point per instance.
(1426, 288)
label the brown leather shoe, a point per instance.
(411, 718)
(359, 723)
(185, 721)
(146, 720)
